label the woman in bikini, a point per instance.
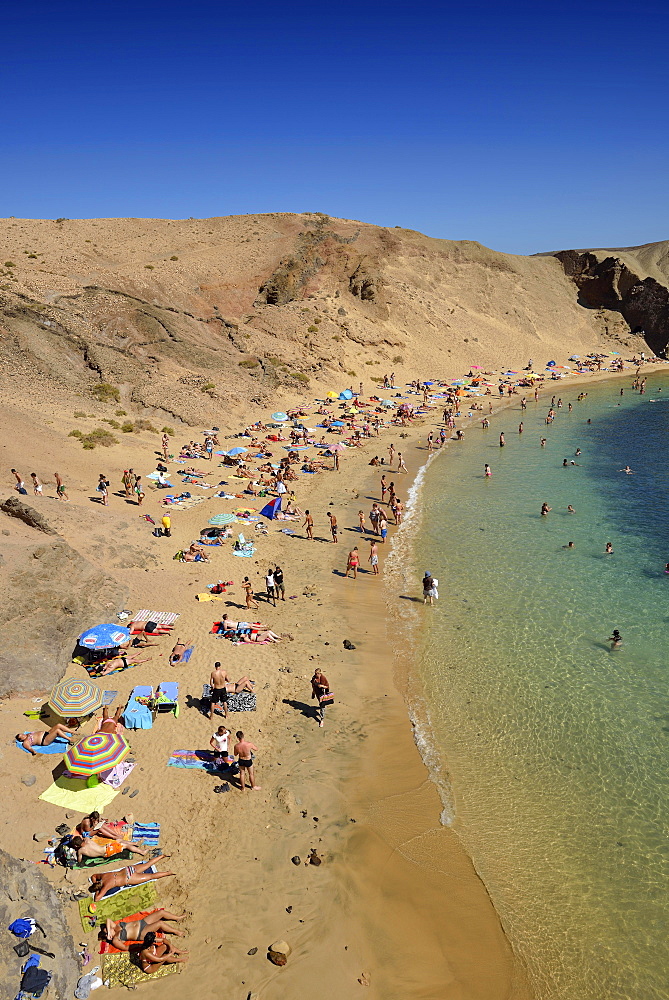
(120, 662)
(122, 933)
(155, 954)
(130, 875)
(353, 562)
(42, 739)
(94, 826)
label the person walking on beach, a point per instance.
(270, 586)
(383, 527)
(138, 490)
(20, 485)
(391, 455)
(279, 587)
(374, 516)
(399, 508)
(37, 486)
(128, 481)
(430, 441)
(384, 489)
(361, 521)
(373, 557)
(248, 592)
(103, 489)
(243, 750)
(165, 442)
(309, 524)
(60, 488)
(333, 526)
(401, 467)
(320, 690)
(219, 692)
(352, 562)
(430, 591)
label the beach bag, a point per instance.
(64, 854)
(327, 699)
(157, 532)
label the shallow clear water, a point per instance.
(549, 748)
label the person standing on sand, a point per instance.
(248, 591)
(243, 751)
(391, 453)
(383, 527)
(320, 689)
(309, 524)
(37, 486)
(336, 461)
(373, 557)
(352, 562)
(219, 692)
(333, 527)
(127, 480)
(374, 516)
(270, 586)
(279, 587)
(138, 490)
(166, 522)
(60, 488)
(401, 467)
(399, 508)
(430, 440)
(384, 489)
(165, 441)
(361, 521)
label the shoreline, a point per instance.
(374, 769)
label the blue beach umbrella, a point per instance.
(237, 451)
(387, 402)
(279, 416)
(337, 423)
(105, 636)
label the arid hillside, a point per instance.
(193, 320)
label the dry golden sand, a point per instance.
(395, 897)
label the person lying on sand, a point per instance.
(178, 651)
(89, 849)
(42, 739)
(130, 875)
(109, 721)
(262, 635)
(243, 684)
(93, 825)
(156, 953)
(121, 933)
(120, 662)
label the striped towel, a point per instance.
(159, 617)
(146, 833)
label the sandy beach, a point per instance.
(395, 909)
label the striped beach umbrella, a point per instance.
(96, 753)
(72, 699)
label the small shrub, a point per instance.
(370, 362)
(174, 258)
(352, 374)
(207, 387)
(145, 425)
(106, 393)
(336, 337)
(318, 320)
(79, 413)
(75, 434)
(275, 361)
(32, 256)
(398, 359)
(248, 363)
(149, 267)
(120, 413)
(10, 263)
(376, 378)
(300, 376)
(97, 437)
(63, 219)
(312, 329)
(112, 423)
(168, 430)
(127, 427)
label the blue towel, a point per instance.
(187, 653)
(136, 716)
(149, 833)
(58, 746)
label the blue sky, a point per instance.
(525, 126)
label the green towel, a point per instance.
(121, 970)
(123, 904)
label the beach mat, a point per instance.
(98, 862)
(159, 617)
(95, 669)
(119, 906)
(120, 970)
(58, 746)
(187, 653)
(147, 834)
(72, 793)
(196, 760)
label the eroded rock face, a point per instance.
(48, 594)
(610, 284)
(16, 508)
(24, 892)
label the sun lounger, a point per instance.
(135, 715)
(166, 699)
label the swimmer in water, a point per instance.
(577, 452)
(545, 509)
(609, 549)
(543, 442)
(666, 568)
(627, 470)
(570, 509)
(569, 545)
(565, 463)
(488, 471)
(616, 639)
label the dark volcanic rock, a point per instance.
(16, 508)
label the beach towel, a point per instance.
(95, 669)
(186, 655)
(196, 760)
(122, 888)
(119, 906)
(136, 716)
(73, 793)
(244, 701)
(118, 774)
(108, 698)
(57, 747)
(147, 834)
(159, 617)
(118, 729)
(121, 969)
(204, 598)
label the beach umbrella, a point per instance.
(220, 519)
(331, 395)
(96, 753)
(104, 636)
(346, 394)
(72, 699)
(237, 451)
(337, 423)
(337, 447)
(279, 416)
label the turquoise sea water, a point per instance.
(550, 750)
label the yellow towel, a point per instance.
(72, 793)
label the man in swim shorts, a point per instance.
(243, 750)
(219, 692)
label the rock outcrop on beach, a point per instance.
(47, 590)
(25, 892)
(180, 320)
